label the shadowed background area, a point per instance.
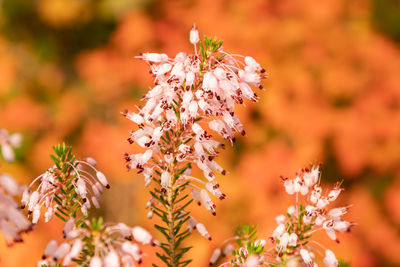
(67, 69)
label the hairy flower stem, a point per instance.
(67, 203)
(171, 203)
(171, 196)
(171, 224)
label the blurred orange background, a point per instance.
(67, 69)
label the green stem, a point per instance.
(171, 225)
(170, 201)
(171, 191)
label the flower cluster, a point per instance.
(190, 91)
(314, 213)
(193, 93)
(12, 221)
(292, 237)
(7, 142)
(96, 244)
(71, 185)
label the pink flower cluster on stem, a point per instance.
(193, 93)
(292, 239)
(12, 221)
(74, 185)
(98, 244)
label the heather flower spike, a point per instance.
(68, 189)
(292, 238)
(192, 93)
(97, 244)
(70, 186)
(12, 221)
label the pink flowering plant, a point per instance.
(192, 93)
(68, 190)
(193, 98)
(12, 221)
(291, 242)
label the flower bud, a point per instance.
(278, 231)
(191, 223)
(36, 214)
(61, 251)
(215, 256)
(111, 260)
(67, 260)
(33, 200)
(283, 241)
(124, 230)
(103, 180)
(96, 262)
(141, 235)
(165, 179)
(330, 259)
(228, 249)
(203, 231)
(207, 202)
(76, 249)
(154, 57)
(252, 261)
(91, 161)
(292, 240)
(25, 198)
(280, 219)
(132, 249)
(336, 213)
(306, 256)
(69, 225)
(334, 193)
(50, 249)
(95, 202)
(194, 35)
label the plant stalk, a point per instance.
(171, 225)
